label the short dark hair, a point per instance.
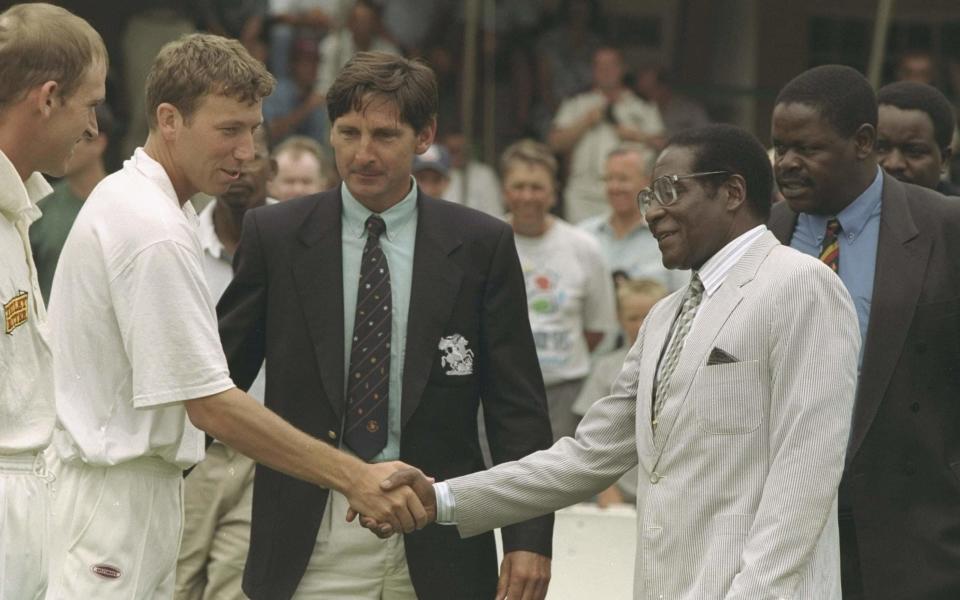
(411, 84)
(910, 95)
(729, 148)
(841, 95)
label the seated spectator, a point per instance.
(914, 132)
(472, 183)
(302, 169)
(635, 298)
(678, 111)
(294, 108)
(432, 171)
(569, 289)
(623, 235)
(364, 32)
(218, 494)
(593, 123)
(85, 169)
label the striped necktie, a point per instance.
(830, 254)
(678, 333)
(368, 384)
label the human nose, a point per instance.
(244, 150)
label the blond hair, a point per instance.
(198, 64)
(40, 43)
(298, 145)
(649, 288)
(530, 152)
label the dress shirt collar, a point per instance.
(207, 232)
(604, 225)
(19, 198)
(355, 214)
(715, 270)
(853, 218)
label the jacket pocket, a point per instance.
(727, 398)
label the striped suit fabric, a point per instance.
(738, 484)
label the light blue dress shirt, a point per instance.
(860, 222)
(398, 243)
(637, 253)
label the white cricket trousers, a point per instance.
(115, 531)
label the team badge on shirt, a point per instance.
(15, 312)
(455, 356)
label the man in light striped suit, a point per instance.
(735, 402)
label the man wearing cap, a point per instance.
(432, 171)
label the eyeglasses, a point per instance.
(663, 190)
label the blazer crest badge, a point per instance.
(455, 357)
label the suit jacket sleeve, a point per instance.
(814, 343)
(242, 308)
(514, 401)
(571, 471)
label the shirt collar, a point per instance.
(20, 197)
(854, 217)
(207, 233)
(715, 270)
(154, 171)
(355, 214)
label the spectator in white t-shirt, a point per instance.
(472, 183)
(589, 125)
(569, 289)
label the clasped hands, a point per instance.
(394, 497)
(391, 497)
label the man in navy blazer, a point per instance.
(464, 340)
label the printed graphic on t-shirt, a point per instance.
(546, 299)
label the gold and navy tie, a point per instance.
(368, 385)
(830, 254)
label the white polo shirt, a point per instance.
(26, 373)
(135, 331)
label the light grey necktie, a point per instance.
(679, 330)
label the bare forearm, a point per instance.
(242, 423)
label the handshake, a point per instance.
(390, 498)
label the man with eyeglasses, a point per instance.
(727, 402)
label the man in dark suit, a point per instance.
(896, 246)
(385, 318)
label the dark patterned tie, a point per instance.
(830, 253)
(368, 385)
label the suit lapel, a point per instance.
(317, 264)
(433, 292)
(655, 338)
(902, 255)
(710, 320)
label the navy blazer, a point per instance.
(285, 305)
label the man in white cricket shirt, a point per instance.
(52, 71)
(139, 370)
